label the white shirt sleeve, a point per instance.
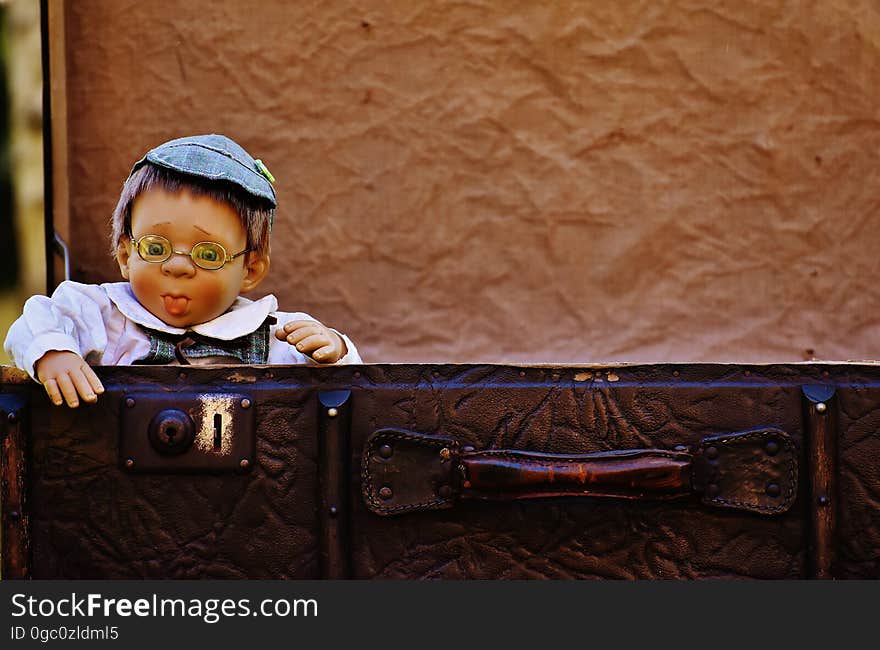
(73, 319)
(281, 352)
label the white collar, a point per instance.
(243, 317)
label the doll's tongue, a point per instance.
(175, 305)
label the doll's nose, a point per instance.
(179, 266)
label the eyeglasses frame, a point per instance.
(227, 257)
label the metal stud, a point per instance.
(245, 403)
(129, 463)
(245, 463)
(821, 407)
(824, 500)
(772, 448)
(385, 493)
(332, 412)
(12, 417)
(712, 453)
(385, 451)
(129, 402)
(773, 489)
(445, 454)
(333, 511)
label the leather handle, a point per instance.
(404, 471)
(638, 474)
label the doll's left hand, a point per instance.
(314, 339)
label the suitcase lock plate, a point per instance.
(187, 432)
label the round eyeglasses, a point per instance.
(208, 255)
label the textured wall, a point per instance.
(527, 181)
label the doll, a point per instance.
(190, 233)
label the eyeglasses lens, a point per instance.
(153, 248)
(209, 255)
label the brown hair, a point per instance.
(256, 213)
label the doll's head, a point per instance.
(191, 228)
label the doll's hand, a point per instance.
(313, 338)
(66, 373)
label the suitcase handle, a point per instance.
(404, 471)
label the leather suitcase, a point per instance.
(447, 471)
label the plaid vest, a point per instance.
(166, 348)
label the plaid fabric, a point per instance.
(165, 348)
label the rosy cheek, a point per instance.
(144, 287)
(209, 291)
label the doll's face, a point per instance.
(177, 291)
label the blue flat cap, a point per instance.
(214, 157)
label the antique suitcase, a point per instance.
(447, 471)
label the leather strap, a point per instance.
(404, 471)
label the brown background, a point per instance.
(680, 180)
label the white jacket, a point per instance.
(102, 323)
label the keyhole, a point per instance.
(170, 433)
(218, 431)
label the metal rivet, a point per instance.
(821, 407)
(773, 489)
(824, 500)
(436, 374)
(522, 373)
(333, 511)
(445, 454)
(181, 375)
(556, 376)
(385, 493)
(12, 417)
(747, 373)
(712, 490)
(332, 412)
(357, 375)
(129, 463)
(712, 453)
(268, 374)
(675, 373)
(385, 451)
(467, 448)
(245, 403)
(129, 402)
(772, 448)
(14, 515)
(444, 491)
(245, 463)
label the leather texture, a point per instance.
(403, 471)
(92, 519)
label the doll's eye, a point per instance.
(209, 255)
(153, 248)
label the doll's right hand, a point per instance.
(67, 373)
